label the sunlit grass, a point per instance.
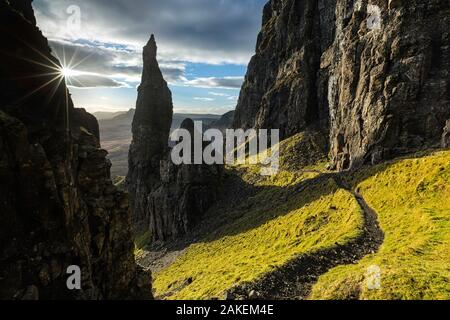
(412, 198)
(277, 227)
(245, 250)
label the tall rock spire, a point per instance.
(151, 49)
(151, 72)
(151, 129)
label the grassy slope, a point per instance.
(274, 230)
(217, 265)
(412, 198)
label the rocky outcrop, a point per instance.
(151, 129)
(58, 205)
(167, 199)
(373, 74)
(446, 136)
(186, 192)
(87, 120)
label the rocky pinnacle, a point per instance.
(151, 129)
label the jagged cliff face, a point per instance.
(151, 129)
(58, 205)
(389, 89)
(282, 83)
(185, 194)
(373, 74)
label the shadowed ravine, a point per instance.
(295, 280)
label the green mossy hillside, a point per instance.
(283, 221)
(262, 240)
(412, 199)
(301, 210)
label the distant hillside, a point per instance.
(114, 117)
(115, 133)
(107, 115)
(225, 122)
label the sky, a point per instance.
(204, 47)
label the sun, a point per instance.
(67, 72)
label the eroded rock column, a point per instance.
(151, 129)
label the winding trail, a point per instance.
(295, 280)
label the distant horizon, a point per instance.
(175, 112)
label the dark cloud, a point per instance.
(108, 44)
(173, 74)
(198, 30)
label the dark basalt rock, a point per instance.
(151, 129)
(24, 8)
(389, 83)
(282, 83)
(58, 205)
(81, 118)
(185, 194)
(373, 74)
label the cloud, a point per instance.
(121, 65)
(173, 72)
(203, 99)
(215, 82)
(214, 32)
(109, 61)
(224, 95)
(217, 94)
(93, 81)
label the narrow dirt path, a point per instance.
(295, 280)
